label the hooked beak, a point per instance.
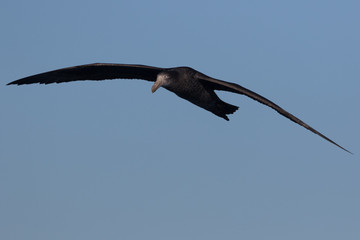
(156, 86)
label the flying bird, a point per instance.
(185, 82)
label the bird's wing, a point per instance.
(235, 88)
(96, 71)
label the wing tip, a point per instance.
(12, 83)
(17, 82)
(345, 150)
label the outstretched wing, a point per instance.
(235, 88)
(96, 71)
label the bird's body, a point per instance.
(185, 82)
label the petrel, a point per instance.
(185, 82)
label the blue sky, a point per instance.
(111, 160)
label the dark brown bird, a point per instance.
(185, 82)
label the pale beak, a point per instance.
(156, 86)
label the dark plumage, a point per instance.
(185, 82)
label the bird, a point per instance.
(185, 82)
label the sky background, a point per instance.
(111, 160)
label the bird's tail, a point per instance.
(222, 109)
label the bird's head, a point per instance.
(163, 79)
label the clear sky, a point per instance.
(111, 160)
